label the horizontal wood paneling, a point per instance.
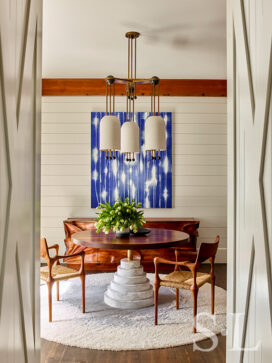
(180, 160)
(84, 148)
(180, 190)
(177, 107)
(183, 139)
(64, 160)
(82, 201)
(199, 162)
(83, 180)
(168, 87)
(200, 190)
(180, 128)
(84, 170)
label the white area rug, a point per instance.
(106, 328)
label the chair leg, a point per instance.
(82, 277)
(50, 285)
(57, 290)
(156, 293)
(194, 293)
(177, 298)
(212, 294)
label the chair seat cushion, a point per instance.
(184, 279)
(59, 272)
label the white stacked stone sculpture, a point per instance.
(130, 288)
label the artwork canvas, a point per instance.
(145, 180)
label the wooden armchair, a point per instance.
(54, 271)
(188, 280)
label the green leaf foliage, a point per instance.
(121, 215)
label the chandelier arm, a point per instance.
(128, 80)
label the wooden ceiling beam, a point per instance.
(168, 87)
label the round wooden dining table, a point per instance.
(130, 288)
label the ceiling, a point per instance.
(179, 38)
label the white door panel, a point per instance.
(249, 181)
(20, 94)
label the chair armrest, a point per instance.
(192, 266)
(158, 260)
(191, 256)
(81, 254)
(73, 255)
(55, 246)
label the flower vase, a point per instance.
(124, 233)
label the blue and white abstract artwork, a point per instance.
(145, 180)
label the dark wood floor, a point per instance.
(53, 352)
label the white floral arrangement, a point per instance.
(120, 216)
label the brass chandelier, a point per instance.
(113, 137)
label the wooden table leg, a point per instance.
(130, 255)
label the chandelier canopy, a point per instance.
(112, 136)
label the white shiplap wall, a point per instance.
(199, 162)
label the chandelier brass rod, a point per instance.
(154, 100)
(131, 58)
(158, 99)
(151, 93)
(135, 59)
(133, 106)
(113, 98)
(134, 92)
(128, 56)
(106, 98)
(127, 109)
(110, 99)
(134, 95)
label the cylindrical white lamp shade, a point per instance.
(155, 138)
(110, 133)
(130, 137)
